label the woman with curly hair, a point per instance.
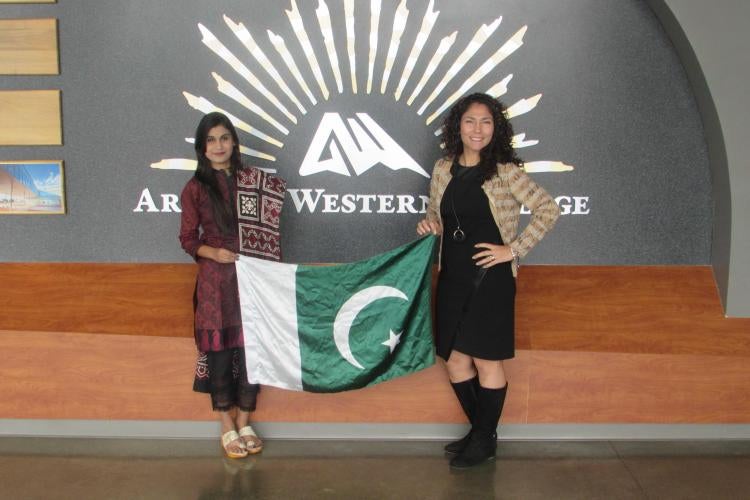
(476, 193)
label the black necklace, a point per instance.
(459, 236)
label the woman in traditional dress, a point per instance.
(476, 193)
(209, 233)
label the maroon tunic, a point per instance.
(218, 323)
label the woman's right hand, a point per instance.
(427, 226)
(220, 255)
(224, 256)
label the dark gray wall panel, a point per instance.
(616, 105)
(712, 40)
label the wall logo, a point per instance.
(348, 142)
(361, 150)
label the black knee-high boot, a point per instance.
(466, 392)
(482, 443)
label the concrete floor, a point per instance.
(68, 468)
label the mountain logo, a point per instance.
(394, 37)
(364, 147)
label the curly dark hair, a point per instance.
(499, 150)
(205, 174)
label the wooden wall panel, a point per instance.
(28, 47)
(50, 375)
(596, 345)
(30, 118)
(667, 310)
(586, 387)
(637, 309)
(138, 299)
(81, 376)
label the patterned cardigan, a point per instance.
(507, 191)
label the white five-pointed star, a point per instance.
(393, 340)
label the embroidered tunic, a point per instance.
(256, 200)
(218, 324)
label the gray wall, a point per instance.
(712, 40)
(616, 105)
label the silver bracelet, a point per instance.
(514, 253)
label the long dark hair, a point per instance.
(204, 174)
(499, 150)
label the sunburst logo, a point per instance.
(355, 142)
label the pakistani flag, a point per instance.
(341, 327)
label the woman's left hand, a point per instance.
(492, 254)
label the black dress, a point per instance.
(477, 321)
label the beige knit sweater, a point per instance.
(507, 191)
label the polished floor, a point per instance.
(68, 468)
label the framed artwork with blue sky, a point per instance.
(32, 187)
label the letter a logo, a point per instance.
(369, 146)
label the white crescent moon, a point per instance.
(349, 311)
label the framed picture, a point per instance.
(32, 187)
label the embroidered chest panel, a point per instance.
(260, 198)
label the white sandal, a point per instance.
(229, 437)
(253, 446)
